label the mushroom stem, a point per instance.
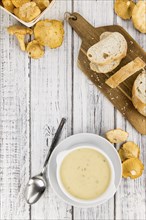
(21, 39)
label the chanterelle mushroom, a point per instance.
(129, 150)
(116, 136)
(132, 168)
(19, 3)
(124, 8)
(139, 16)
(35, 50)
(27, 12)
(42, 4)
(8, 5)
(20, 32)
(49, 33)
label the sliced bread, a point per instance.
(105, 68)
(125, 72)
(104, 35)
(110, 48)
(139, 93)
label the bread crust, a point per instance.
(109, 65)
(125, 72)
(104, 68)
(138, 104)
(115, 58)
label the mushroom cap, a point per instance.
(35, 50)
(132, 168)
(124, 8)
(121, 154)
(19, 30)
(129, 150)
(49, 33)
(8, 5)
(116, 136)
(139, 16)
(42, 4)
(27, 12)
(19, 3)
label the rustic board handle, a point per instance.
(81, 26)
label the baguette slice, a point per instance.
(105, 34)
(104, 68)
(110, 48)
(125, 72)
(139, 93)
(107, 67)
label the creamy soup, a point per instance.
(85, 173)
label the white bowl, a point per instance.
(111, 187)
(29, 24)
(82, 139)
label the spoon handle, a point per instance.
(54, 142)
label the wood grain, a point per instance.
(14, 125)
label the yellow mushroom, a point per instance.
(42, 4)
(116, 135)
(139, 16)
(19, 29)
(132, 168)
(49, 33)
(20, 32)
(124, 8)
(8, 5)
(35, 50)
(19, 3)
(129, 150)
(21, 39)
(27, 12)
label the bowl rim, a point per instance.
(67, 152)
(70, 202)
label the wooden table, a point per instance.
(34, 95)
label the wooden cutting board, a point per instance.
(121, 96)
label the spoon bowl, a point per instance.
(35, 188)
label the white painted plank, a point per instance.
(131, 198)
(51, 99)
(92, 111)
(14, 127)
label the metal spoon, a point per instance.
(37, 184)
